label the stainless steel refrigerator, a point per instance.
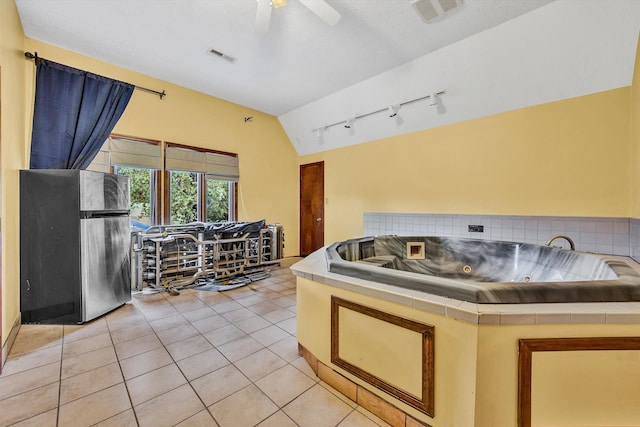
(74, 245)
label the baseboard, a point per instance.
(378, 406)
(6, 347)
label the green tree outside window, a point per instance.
(217, 200)
(184, 197)
(139, 192)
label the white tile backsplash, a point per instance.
(634, 238)
(616, 236)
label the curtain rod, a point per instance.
(37, 58)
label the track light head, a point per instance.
(349, 122)
(392, 110)
(433, 99)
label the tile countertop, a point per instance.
(314, 267)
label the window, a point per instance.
(185, 189)
(183, 196)
(141, 193)
(220, 194)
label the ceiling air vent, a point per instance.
(222, 55)
(432, 10)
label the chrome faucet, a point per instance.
(561, 236)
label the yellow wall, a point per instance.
(268, 161)
(13, 118)
(565, 158)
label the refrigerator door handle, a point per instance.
(102, 214)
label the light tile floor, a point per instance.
(197, 359)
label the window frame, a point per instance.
(233, 203)
(154, 201)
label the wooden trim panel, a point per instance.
(526, 347)
(423, 403)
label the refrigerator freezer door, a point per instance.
(103, 192)
(105, 264)
(49, 253)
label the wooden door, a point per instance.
(311, 207)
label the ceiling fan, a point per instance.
(320, 7)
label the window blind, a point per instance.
(215, 165)
(125, 152)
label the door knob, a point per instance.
(318, 219)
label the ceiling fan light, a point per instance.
(431, 11)
(278, 3)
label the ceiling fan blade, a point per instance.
(325, 12)
(263, 17)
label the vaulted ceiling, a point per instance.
(298, 60)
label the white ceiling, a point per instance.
(300, 60)
(566, 49)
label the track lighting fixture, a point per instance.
(392, 110)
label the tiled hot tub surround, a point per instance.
(613, 236)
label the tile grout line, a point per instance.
(175, 362)
(126, 387)
(60, 378)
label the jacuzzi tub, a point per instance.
(481, 271)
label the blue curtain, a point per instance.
(74, 113)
